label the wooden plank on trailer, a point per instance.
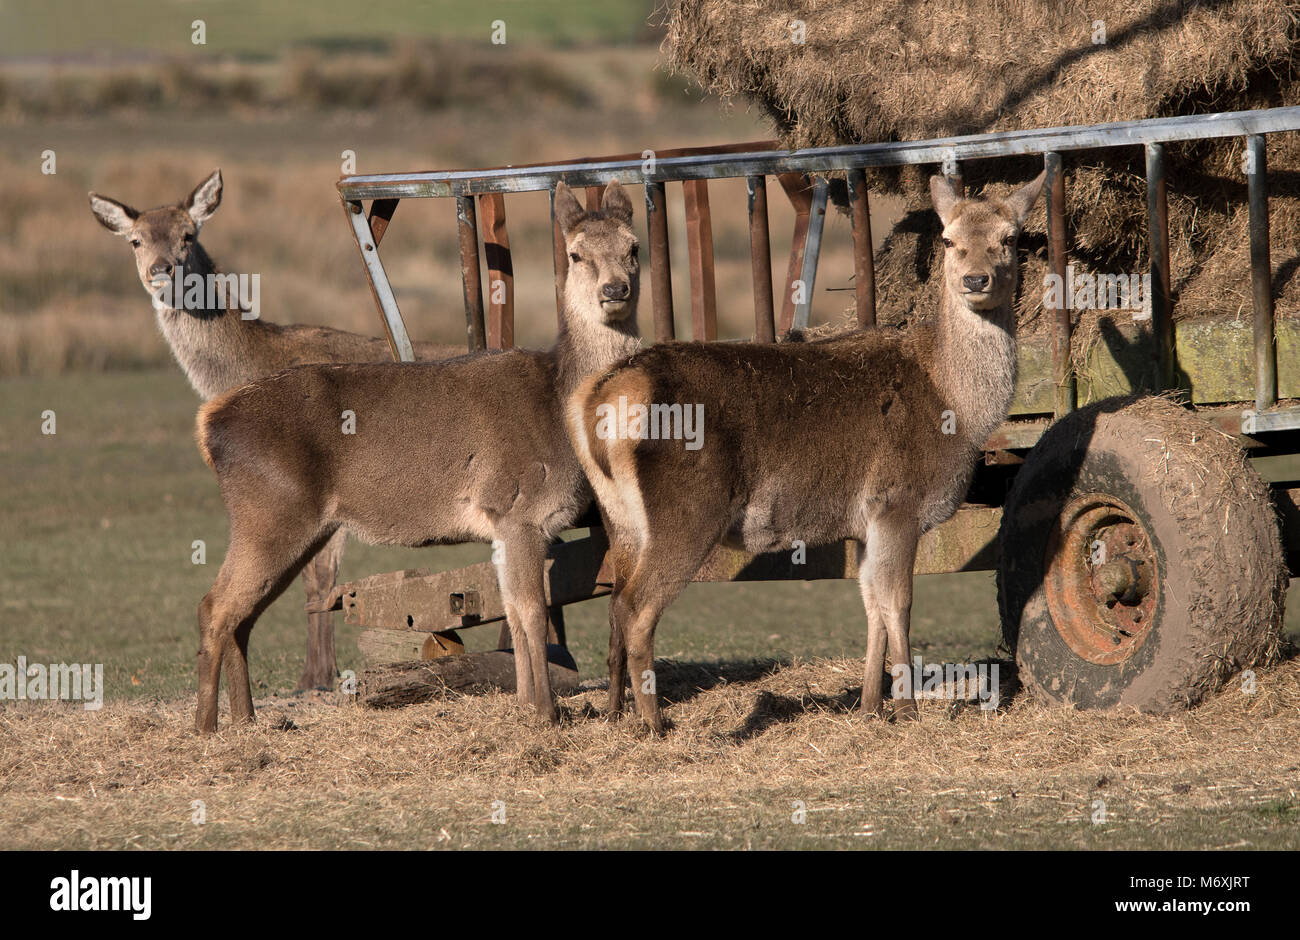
(699, 244)
(1214, 361)
(501, 272)
(392, 646)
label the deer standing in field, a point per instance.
(468, 450)
(872, 436)
(220, 349)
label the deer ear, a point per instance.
(115, 216)
(204, 200)
(1023, 199)
(943, 196)
(616, 203)
(567, 208)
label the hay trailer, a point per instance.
(1140, 558)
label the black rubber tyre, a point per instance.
(1141, 560)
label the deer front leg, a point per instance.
(872, 701)
(521, 574)
(893, 543)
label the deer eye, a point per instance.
(1009, 240)
(135, 243)
(187, 237)
(947, 243)
(573, 256)
(635, 252)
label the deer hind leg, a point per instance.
(891, 547)
(522, 575)
(622, 563)
(660, 574)
(318, 577)
(254, 573)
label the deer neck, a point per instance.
(212, 346)
(975, 365)
(585, 347)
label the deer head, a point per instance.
(979, 240)
(603, 282)
(165, 237)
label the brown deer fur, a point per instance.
(468, 450)
(871, 436)
(220, 350)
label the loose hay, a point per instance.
(746, 737)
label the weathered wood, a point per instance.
(417, 600)
(414, 681)
(1214, 360)
(390, 646)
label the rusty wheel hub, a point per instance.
(1102, 581)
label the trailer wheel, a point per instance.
(1141, 560)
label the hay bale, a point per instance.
(876, 70)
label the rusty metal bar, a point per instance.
(471, 275)
(812, 250)
(394, 328)
(1162, 322)
(381, 213)
(1062, 367)
(699, 244)
(799, 191)
(760, 259)
(594, 195)
(725, 162)
(661, 280)
(957, 180)
(864, 262)
(1261, 275)
(560, 255)
(501, 272)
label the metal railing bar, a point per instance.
(812, 249)
(825, 159)
(399, 341)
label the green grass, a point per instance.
(101, 518)
(253, 28)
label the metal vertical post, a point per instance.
(1062, 368)
(471, 275)
(760, 259)
(1261, 275)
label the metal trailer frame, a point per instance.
(420, 602)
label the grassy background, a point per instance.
(252, 29)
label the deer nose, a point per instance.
(161, 269)
(975, 282)
(617, 290)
